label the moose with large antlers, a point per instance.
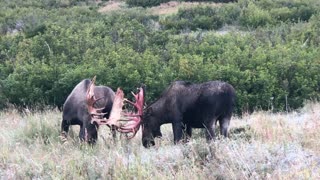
(91, 106)
(187, 105)
(75, 111)
(184, 104)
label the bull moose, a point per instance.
(75, 109)
(184, 104)
(187, 105)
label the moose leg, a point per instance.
(224, 124)
(82, 133)
(92, 134)
(64, 128)
(177, 131)
(157, 133)
(187, 131)
(65, 124)
(210, 127)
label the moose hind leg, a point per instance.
(224, 125)
(210, 130)
(187, 132)
(64, 129)
(65, 126)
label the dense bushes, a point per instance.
(246, 13)
(274, 66)
(194, 18)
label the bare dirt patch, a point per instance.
(111, 6)
(171, 7)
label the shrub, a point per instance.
(272, 67)
(200, 17)
(230, 13)
(253, 16)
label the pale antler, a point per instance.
(95, 113)
(116, 112)
(133, 119)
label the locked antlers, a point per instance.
(124, 121)
(132, 119)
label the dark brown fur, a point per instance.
(186, 106)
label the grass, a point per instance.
(262, 145)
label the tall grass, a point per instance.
(262, 145)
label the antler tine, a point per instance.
(132, 119)
(135, 95)
(95, 113)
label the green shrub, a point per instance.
(200, 17)
(293, 11)
(253, 16)
(230, 13)
(274, 66)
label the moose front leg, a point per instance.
(177, 131)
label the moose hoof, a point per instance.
(63, 137)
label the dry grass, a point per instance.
(111, 6)
(261, 146)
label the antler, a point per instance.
(128, 122)
(95, 113)
(116, 112)
(132, 119)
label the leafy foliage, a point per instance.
(202, 17)
(272, 59)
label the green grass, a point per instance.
(262, 145)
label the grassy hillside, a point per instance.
(261, 146)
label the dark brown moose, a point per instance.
(75, 111)
(186, 106)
